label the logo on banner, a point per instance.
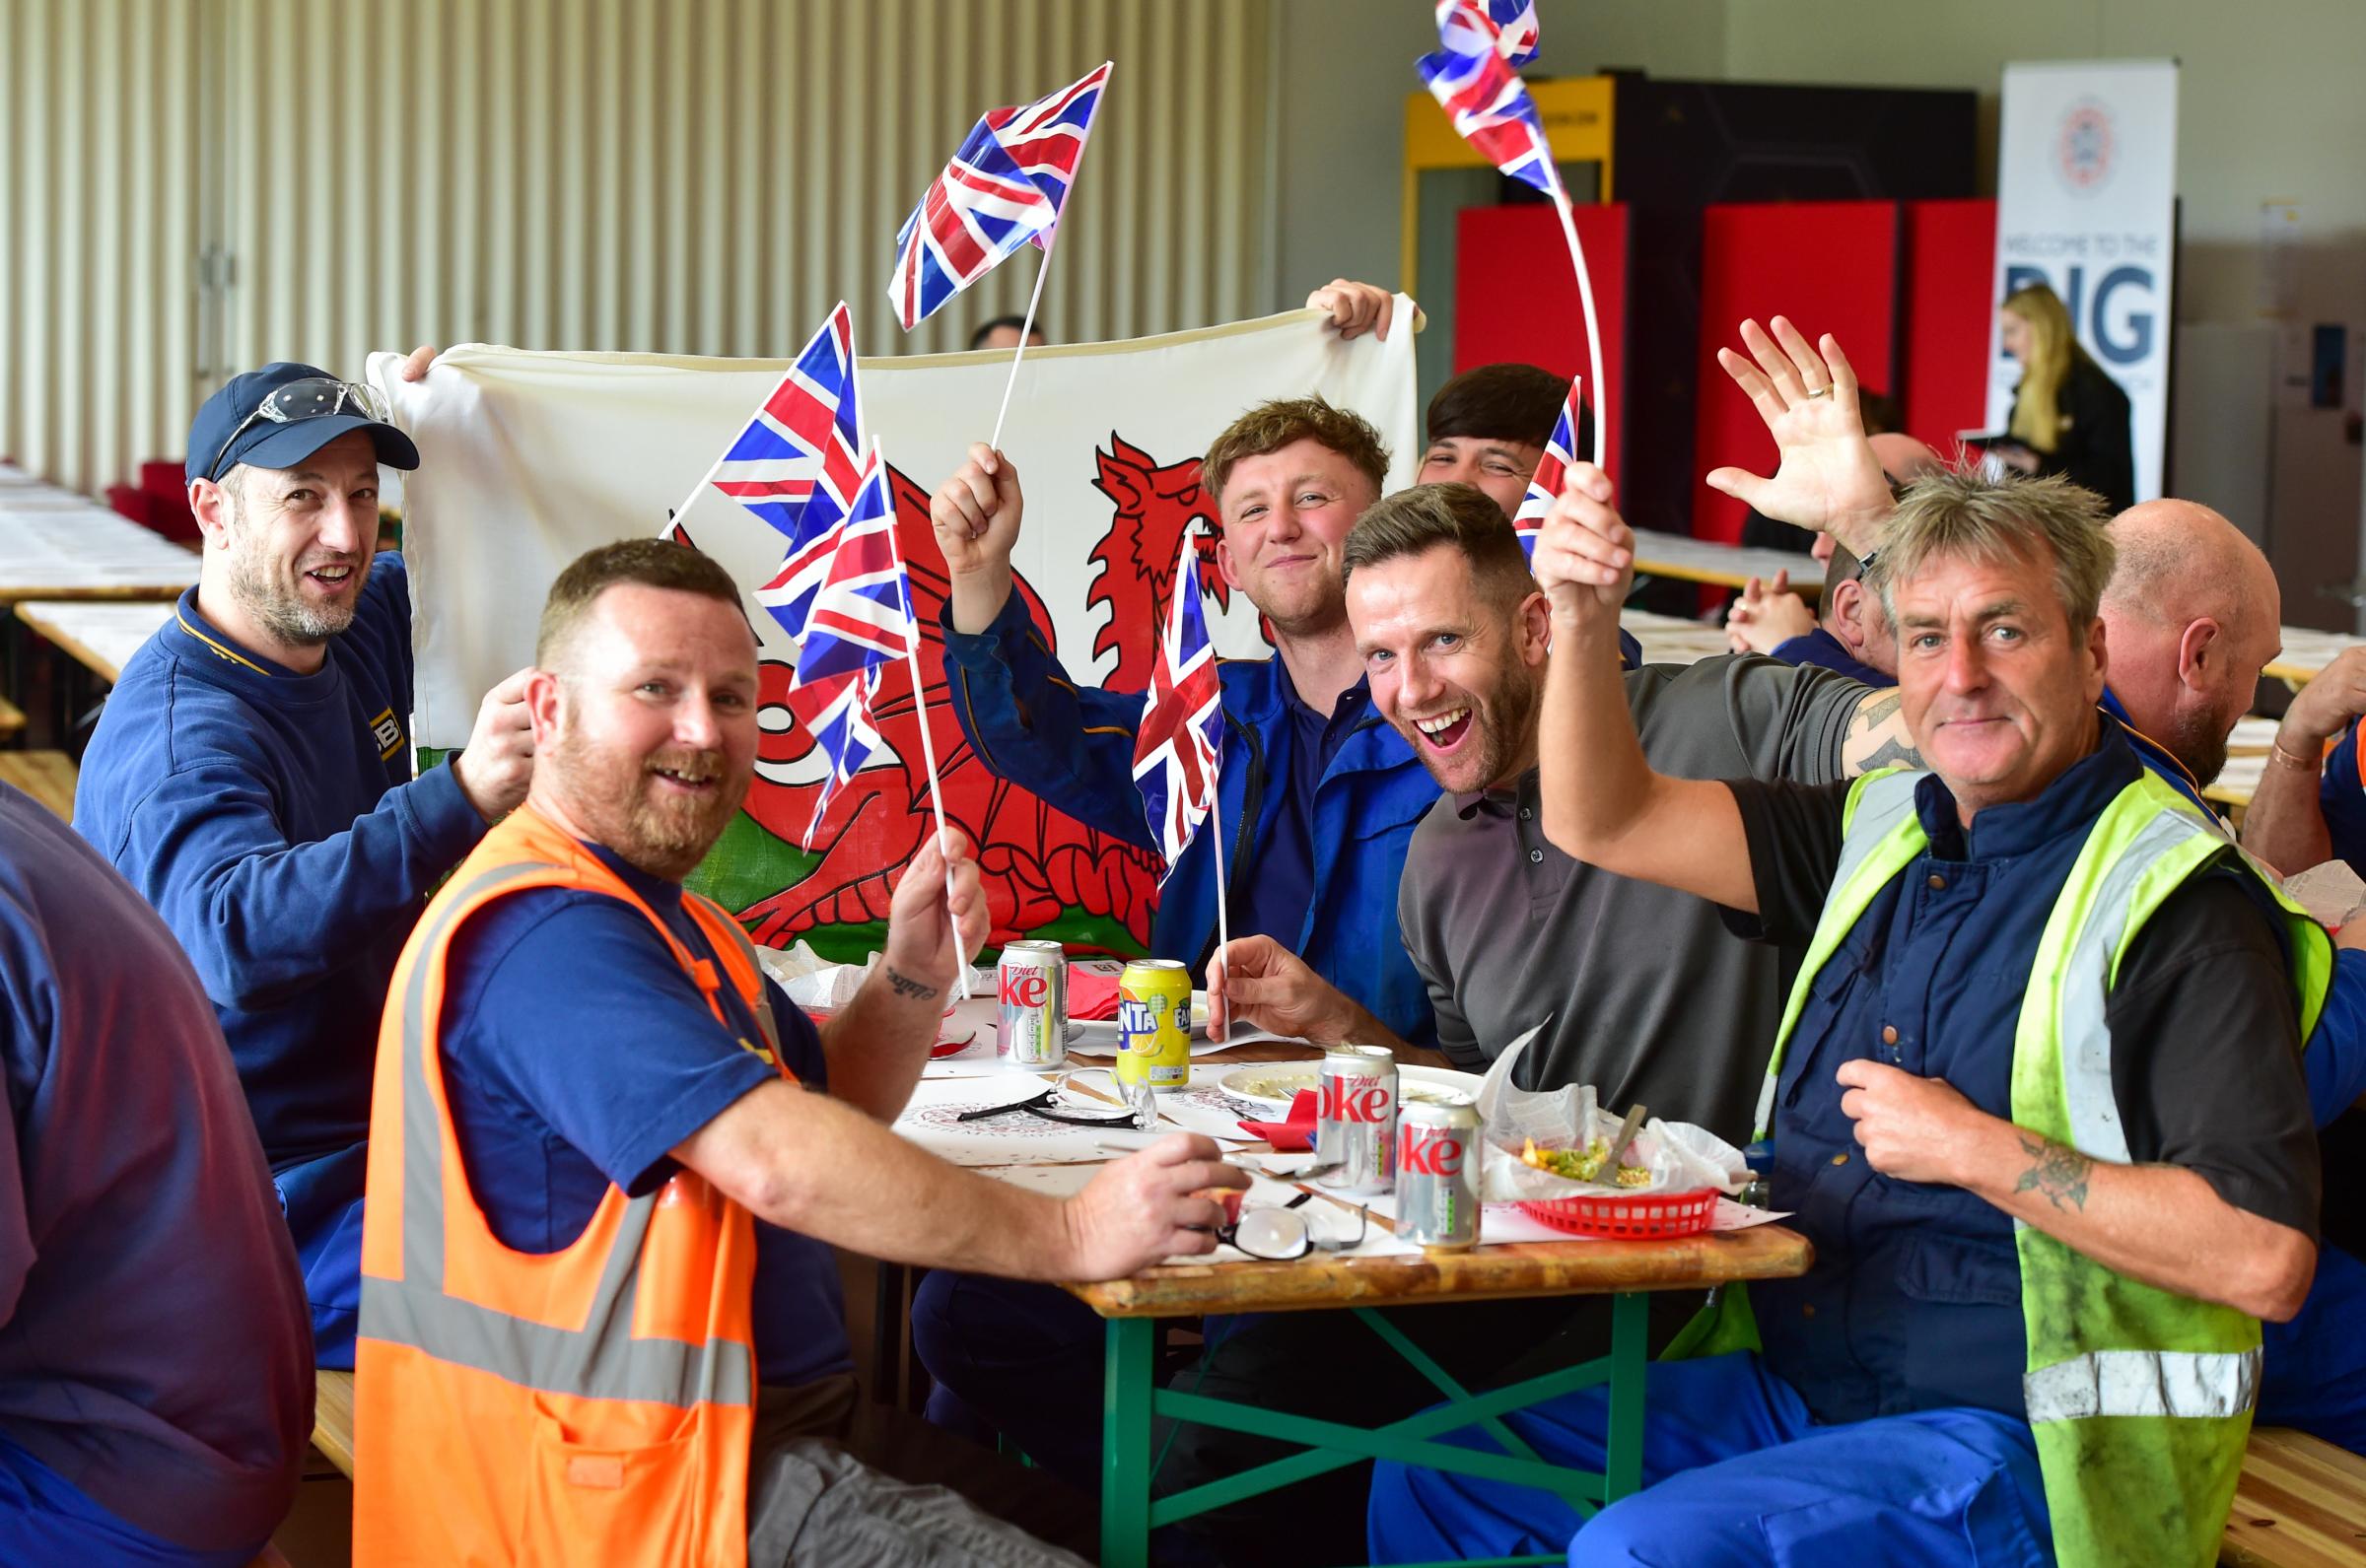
(2084, 147)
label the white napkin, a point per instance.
(1682, 1157)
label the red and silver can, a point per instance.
(1355, 1119)
(1030, 1028)
(1438, 1173)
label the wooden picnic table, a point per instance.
(1675, 555)
(1625, 1270)
(101, 635)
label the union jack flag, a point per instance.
(1475, 78)
(861, 622)
(1182, 718)
(1551, 471)
(1004, 188)
(798, 462)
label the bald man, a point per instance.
(2192, 615)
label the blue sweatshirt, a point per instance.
(271, 819)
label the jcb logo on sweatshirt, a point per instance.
(386, 731)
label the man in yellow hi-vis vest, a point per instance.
(2037, 1099)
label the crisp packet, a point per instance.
(1681, 1157)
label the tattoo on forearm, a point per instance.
(904, 985)
(2060, 1173)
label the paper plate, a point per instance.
(1276, 1084)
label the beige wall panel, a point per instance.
(99, 165)
(693, 175)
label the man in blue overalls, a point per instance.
(2036, 1101)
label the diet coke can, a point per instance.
(1355, 1119)
(1030, 1028)
(1438, 1173)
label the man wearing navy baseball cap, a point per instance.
(252, 776)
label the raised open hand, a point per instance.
(1828, 479)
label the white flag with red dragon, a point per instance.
(530, 458)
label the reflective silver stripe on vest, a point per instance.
(602, 1360)
(2199, 1384)
(2085, 1039)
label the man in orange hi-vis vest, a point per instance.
(600, 1315)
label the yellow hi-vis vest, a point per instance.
(2141, 1400)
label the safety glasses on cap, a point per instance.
(314, 397)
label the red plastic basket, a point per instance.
(1645, 1214)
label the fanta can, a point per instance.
(1154, 1023)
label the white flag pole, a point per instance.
(928, 745)
(1044, 264)
(1215, 828)
(1585, 303)
(674, 521)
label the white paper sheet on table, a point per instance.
(930, 1119)
(1198, 1108)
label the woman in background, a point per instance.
(2070, 417)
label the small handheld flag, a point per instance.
(1551, 471)
(1475, 78)
(796, 465)
(1182, 732)
(1004, 186)
(860, 621)
(1176, 745)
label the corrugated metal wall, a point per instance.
(193, 185)
(100, 109)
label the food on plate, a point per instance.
(1583, 1165)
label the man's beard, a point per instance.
(2198, 741)
(282, 610)
(609, 798)
(1502, 721)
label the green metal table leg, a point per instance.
(1127, 1391)
(1623, 1456)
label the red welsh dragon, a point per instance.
(1041, 867)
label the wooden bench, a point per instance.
(2301, 1504)
(332, 1419)
(46, 776)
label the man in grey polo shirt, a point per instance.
(1648, 997)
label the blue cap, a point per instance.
(269, 443)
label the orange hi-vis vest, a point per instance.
(589, 1405)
